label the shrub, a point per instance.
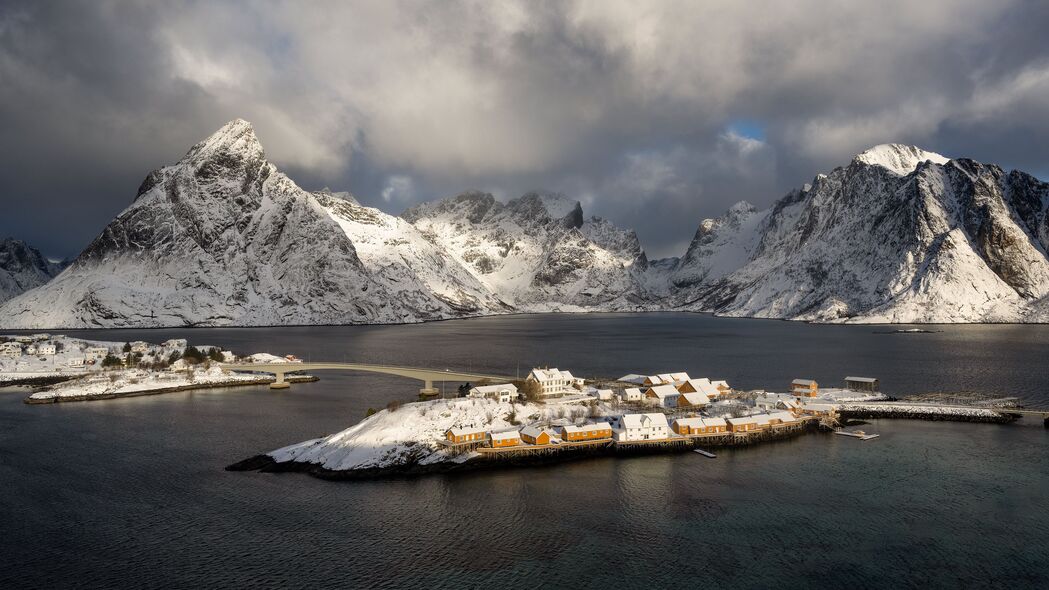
(393, 406)
(112, 361)
(371, 412)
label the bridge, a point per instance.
(427, 376)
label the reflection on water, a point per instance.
(132, 491)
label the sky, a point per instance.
(653, 115)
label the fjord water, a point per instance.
(132, 492)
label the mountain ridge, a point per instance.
(222, 237)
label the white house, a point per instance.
(632, 394)
(602, 394)
(664, 396)
(504, 392)
(643, 427)
(10, 350)
(24, 339)
(95, 352)
(77, 361)
(46, 349)
(554, 381)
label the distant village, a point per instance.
(668, 408)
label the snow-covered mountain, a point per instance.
(23, 267)
(898, 235)
(224, 238)
(536, 252)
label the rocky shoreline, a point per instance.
(978, 415)
(190, 387)
(41, 381)
(267, 464)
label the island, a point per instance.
(64, 369)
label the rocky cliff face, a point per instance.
(898, 235)
(23, 267)
(537, 252)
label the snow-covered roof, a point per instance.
(506, 435)
(862, 379)
(486, 389)
(588, 427)
(679, 376)
(696, 399)
(550, 374)
(632, 378)
(703, 386)
(721, 383)
(802, 382)
(534, 431)
(714, 421)
(632, 391)
(690, 422)
(743, 420)
(461, 430)
(663, 391)
(784, 416)
(653, 420)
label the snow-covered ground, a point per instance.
(137, 381)
(409, 434)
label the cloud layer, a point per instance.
(654, 114)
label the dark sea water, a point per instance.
(132, 492)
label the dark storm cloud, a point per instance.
(654, 115)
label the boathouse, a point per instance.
(804, 387)
(586, 432)
(867, 384)
(686, 426)
(509, 438)
(468, 434)
(743, 424)
(722, 386)
(703, 386)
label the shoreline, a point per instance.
(523, 313)
(264, 463)
(192, 387)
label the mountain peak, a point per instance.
(898, 158)
(236, 138)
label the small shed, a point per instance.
(586, 432)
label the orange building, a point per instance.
(586, 432)
(510, 438)
(804, 387)
(745, 424)
(464, 435)
(534, 435)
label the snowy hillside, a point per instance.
(408, 435)
(899, 235)
(22, 268)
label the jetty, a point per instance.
(857, 434)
